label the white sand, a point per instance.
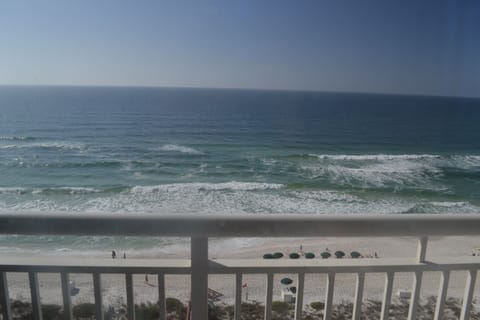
(179, 286)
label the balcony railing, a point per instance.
(199, 229)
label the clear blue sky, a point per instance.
(417, 46)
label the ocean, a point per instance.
(157, 151)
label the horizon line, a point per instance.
(237, 89)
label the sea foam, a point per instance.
(16, 138)
(413, 171)
(179, 148)
(46, 145)
(232, 185)
(377, 157)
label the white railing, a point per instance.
(199, 229)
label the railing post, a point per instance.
(67, 303)
(199, 258)
(422, 249)
(35, 296)
(442, 294)
(387, 295)
(5, 297)
(327, 313)
(161, 296)
(357, 307)
(97, 294)
(468, 295)
(299, 300)
(130, 296)
(238, 296)
(417, 283)
(268, 297)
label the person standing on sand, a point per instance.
(114, 254)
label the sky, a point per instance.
(409, 46)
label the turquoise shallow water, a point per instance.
(158, 151)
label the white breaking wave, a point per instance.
(450, 207)
(178, 148)
(449, 204)
(232, 185)
(396, 174)
(377, 157)
(458, 161)
(46, 145)
(64, 190)
(14, 138)
(13, 190)
(419, 171)
(214, 199)
(70, 190)
(200, 198)
(464, 161)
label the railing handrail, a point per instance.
(200, 228)
(271, 225)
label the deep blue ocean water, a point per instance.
(164, 150)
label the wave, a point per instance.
(450, 207)
(452, 160)
(232, 185)
(13, 190)
(46, 145)
(224, 198)
(48, 191)
(376, 157)
(67, 190)
(16, 138)
(412, 171)
(396, 176)
(179, 148)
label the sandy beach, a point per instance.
(178, 286)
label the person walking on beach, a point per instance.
(114, 254)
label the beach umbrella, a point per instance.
(339, 254)
(309, 255)
(286, 281)
(325, 255)
(268, 256)
(294, 255)
(355, 254)
(277, 255)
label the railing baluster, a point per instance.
(97, 293)
(35, 296)
(268, 299)
(387, 295)
(130, 298)
(467, 297)
(417, 283)
(161, 296)
(67, 303)
(327, 313)
(357, 307)
(442, 294)
(299, 299)
(199, 260)
(238, 295)
(5, 297)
